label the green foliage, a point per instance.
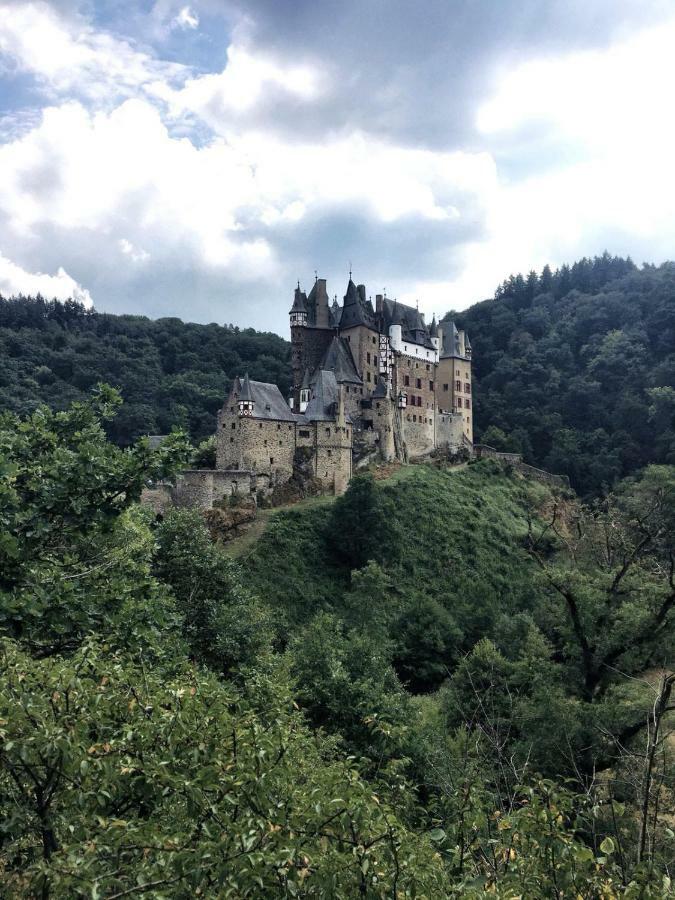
(573, 369)
(361, 526)
(170, 373)
(224, 625)
(72, 558)
(115, 780)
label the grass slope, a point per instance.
(462, 536)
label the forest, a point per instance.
(449, 682)
(170, 373)
(575, 369)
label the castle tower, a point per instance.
(453, 377)
(298, 316)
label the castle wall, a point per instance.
(267, 447)
(449, 430)
(333, 455)
(383, 422)
(308, 346)
(364, 344)
(453, 378)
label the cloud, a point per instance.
(67, 55)
(14, 280)
(186, 19)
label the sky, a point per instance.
(198, 159)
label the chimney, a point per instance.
(379, 304)
(340, 418)
(322, 315)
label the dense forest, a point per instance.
(449, 682)
(576, 368)
(573, 368)
(170, 373)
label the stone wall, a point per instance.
(449, 430)
(267, 447)
(333, 455)
(453, 375)
(364, 344)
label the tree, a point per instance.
(361, 527)
(225, 626)
(614, 573)
(72, 553)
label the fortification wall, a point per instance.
(333, 455)
(267, 447)
(449, 430)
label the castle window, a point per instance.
(456, 371)
(327, 432)
(232, 440)
(418, 382)
(234, 425)
(467, 404)
(304, 433)
(368, 376)
(374, 360)
(368, 358)
(419, 401)
(290, 428)
(346, 389)
(271, 460)
(467, 388)
(406, 380)
(428, 366)
(377, 405)
(414, 418)
(278, 427)
(328, 452)
(431, 385)
(260, 425)
(459, 403)
(265, 443)
(280, 443)
(405, 347)
(445, 387)
(458, 385)
(373, 340)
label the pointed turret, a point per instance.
(298, 312)
(246, 403)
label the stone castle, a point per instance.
(369, 381)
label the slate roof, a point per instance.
(413, 328)
(356, 310)
(335, 313)
(322, 406)
(339, 360)
(299, 301)
(267, 398)
(380, 389)
(451, 346)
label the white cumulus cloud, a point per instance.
(14, 280)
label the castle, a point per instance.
(365, 378)
(368, 382)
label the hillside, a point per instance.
(576, 369)
(410, 690)
(168, 371)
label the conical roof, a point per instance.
(246, 394)
(299, 301)
(305, 380)
(338, 359)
